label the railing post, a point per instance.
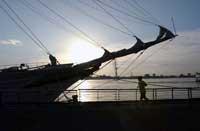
(79, 92)
(172, 93)
(136, 94)
(118, 94)
(153, 93)
(97, 95)
(189, 93)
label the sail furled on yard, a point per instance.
(164, 35)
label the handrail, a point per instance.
(146, 88)
(153, 94)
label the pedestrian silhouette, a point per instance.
(141, 85)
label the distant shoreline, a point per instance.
(135, 77)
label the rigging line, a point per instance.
(127, 14)
(104, 65)
(85, 3)
(110, 14)
(21, 28)
(127, 9)
(126, 61)
(107, 82)
(135, 7)
(93, 73)
(150, 84)
(147, 12)
(173, 24)
(78, 85)
(144, 60)
(97, 9)
(134, 60)
(140, 9)
(49, 19)
(37, 11)
(68, 22)
(103, 84)
(26, 26)
(85, 81)
(100, 21)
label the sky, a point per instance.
(69, 45)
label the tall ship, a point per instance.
(59, 77)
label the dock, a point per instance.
(163, 115)
(173, 113)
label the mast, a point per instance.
(115, 68)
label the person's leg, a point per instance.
(145, 96)
(142, 95)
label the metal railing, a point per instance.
(86, 95)
(134, 94)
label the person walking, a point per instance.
(141, 85)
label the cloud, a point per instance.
(12, 42)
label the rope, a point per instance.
(105, 65)
(32, 33)
(94, 74)
(150, 56)
(150, 84)
(100, 21)
(99, 10)
(174, 26)
(136, 66)
(33, 37)
(49, 19)
(135, 7)
(103, 84)
(132, 62)
(142, 8)
(110, 14)
(37, 11)
(127, 9)
(89, 5)
(127, 14)
(68, 22)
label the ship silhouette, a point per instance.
(60, 77)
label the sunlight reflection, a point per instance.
(85, 95)
(84, 85)
(81, 51)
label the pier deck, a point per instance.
(160, 115)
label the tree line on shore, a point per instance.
(188, 75)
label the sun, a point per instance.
(80, 51)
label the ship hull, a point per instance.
(40, 85)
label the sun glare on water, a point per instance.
(84, 95)
(80, 51)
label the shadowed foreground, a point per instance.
(179, 115)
